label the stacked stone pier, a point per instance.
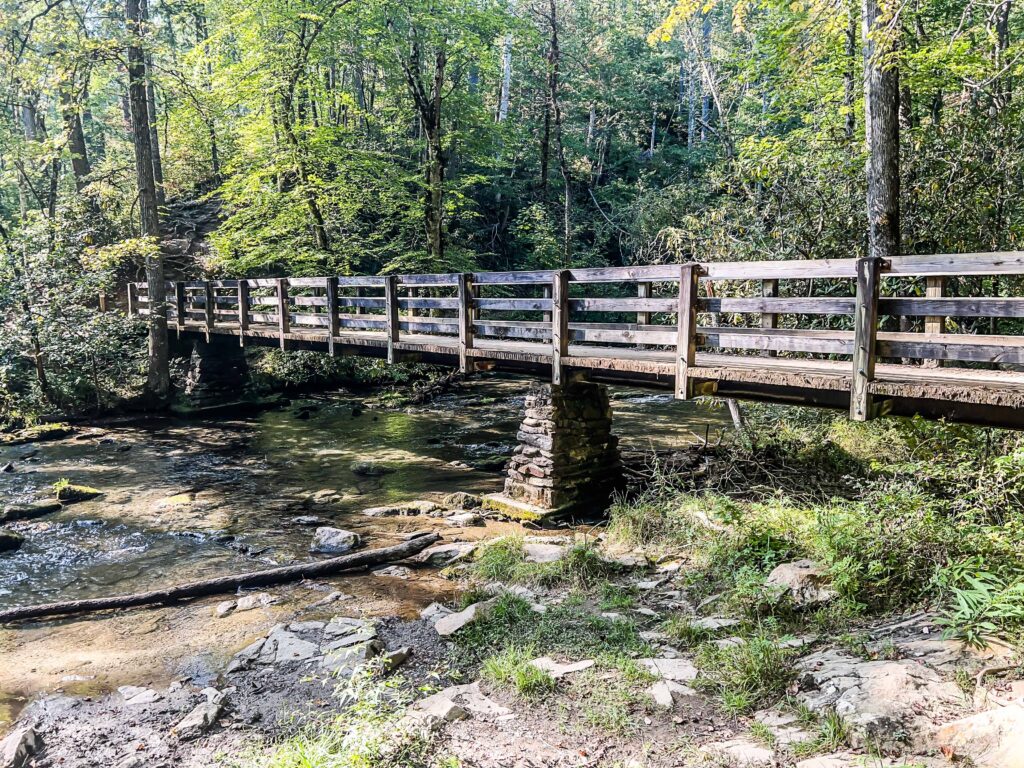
(567, 462)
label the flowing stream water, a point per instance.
(184, 500)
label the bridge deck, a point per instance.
(801, 332)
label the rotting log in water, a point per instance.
(225, 584)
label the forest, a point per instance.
(372, 136)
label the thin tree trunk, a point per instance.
(554, 63)
(849, 76)
(882, 125)
(506, 78)
(80, 166)
(158, 384)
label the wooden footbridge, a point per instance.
(941, 336)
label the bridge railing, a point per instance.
(964, 308)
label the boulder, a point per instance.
(14, 512)
(434, 711)
(992, 739)
(68, 493)
(19, 746)
(10, 541)
(224, 608)
(462, 500)
(346, 660)
(369, 469)
(334, 541)
(434, 611)
(803, 582)
(449, 625)
(663, 691)
(398, 657)
(394, 571)
(887, 704)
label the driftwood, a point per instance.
(226, 584)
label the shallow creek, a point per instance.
(190, 499)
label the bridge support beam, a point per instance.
(567, 462)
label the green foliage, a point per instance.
(504, 560)
(511, 668)
(746, 676)
(982, 603)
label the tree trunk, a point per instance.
(554, 62)
(882, 127)
(154, 123)
(506, 78)
(80, 166)
(434, 194)
(158, 383)
(849, 76)
(706, 102)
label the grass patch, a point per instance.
(568, 628)
(504, 560)
(611, 702)
(685, 633)
(617, 597)
(747, 676)
(511, 668)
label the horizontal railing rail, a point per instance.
(935, 308)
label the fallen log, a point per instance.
(226, 584)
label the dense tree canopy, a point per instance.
(375, 135)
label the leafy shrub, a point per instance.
(511, 668)
(748, 675)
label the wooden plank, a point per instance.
(819, 342)
(391, 313)
(643, 307)
(537, 277)
(935, 289)
(770, 320)
(306, 282)
(361, 281)
(952, 346)
(372, 302)
(958, 264)
(224, 283)
(310, 301)
(545, 292)
(865, 336)
(210, 306)
(133, 307)
(643, 292)
(243, 311)
(667, 336)
(334, 329)
(559, 324)
(283, 316)
(936, 310)
(512, 330)
(814, 305)
(686, 337)
(429, 303)
(428, 281)
(514, 305)
(465, 302)
(179, 305)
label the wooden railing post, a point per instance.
(935, 288)
(333, 322)
(133, 304)
(243, 311)
(283, 320)
(770, 290)
(559, 324)
(391, 310)
(643, 291)
(179, 306)
(466, 312)
(546, 293)
(686, 343)
(211, 306)
(865, 335)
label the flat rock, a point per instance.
(558, 670)
(134, 695)
(343, 625)
(887, 704)
(352, 638)
(464, 520)
(992, 739)
(452, 623)
(433, 711)
(370, 469)
(246, 656)
(741, 753)
(803, 582)
(14, 512)
(434, 611)
(18, 747)
(224, 608)
(445, 554)
(663, 692)
(394, 571)
(198, 721)
(398, 657)
(253, 601)
(473, 701)
(713, 623)
(333, 541)
(283, 647)
(345, 661)
(537, 552)
(403, 509)
(677, 670)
